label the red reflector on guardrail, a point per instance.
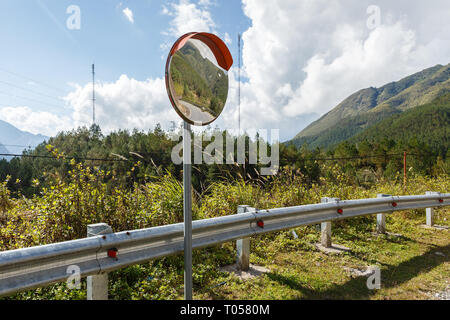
(441, 200)
(112, 253)
(340, 211)
(260, 223)
(394, 204)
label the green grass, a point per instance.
(410, 268)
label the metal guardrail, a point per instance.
(32, 267)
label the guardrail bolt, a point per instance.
(430, 211)
(381, 217)
(97, 285)
(243, 245)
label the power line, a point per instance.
(363, 157)
(27, 89)
(16, 145)
(30, 79)
(239, 82)
(349, 158)
(30, 99)
(62, 158)
(93, 94)
(121, 159)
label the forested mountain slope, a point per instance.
(369, 106)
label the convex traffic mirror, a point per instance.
(197, 77)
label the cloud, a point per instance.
(227, 39)
(304, 57)
(36, 122)
(188, 17)
(126, 103)
(128, 14)
(387, 54)
(123, 104)
(204, 3)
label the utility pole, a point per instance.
(239, 81)
(93, 94)
(404, 169)
(239, 97)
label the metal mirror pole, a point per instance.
(187, 211)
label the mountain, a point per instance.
(429, 123)
(13, 140)
(371, 105)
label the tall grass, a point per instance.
(64, 209)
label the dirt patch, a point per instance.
(254, 271)
(442, 295)
(360, 272)
(435, 227)
(334, 249)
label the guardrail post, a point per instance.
(243, 245)
(430, 211)
(97, 286)
(325, 227)
(381, 217)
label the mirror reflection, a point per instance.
(198, 85)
